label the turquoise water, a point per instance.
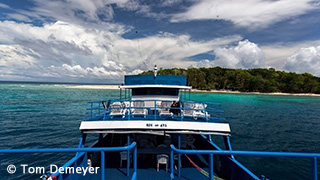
(47, 115)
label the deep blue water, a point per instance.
(44, 116)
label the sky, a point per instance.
(99, 41)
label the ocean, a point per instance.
(36, 115)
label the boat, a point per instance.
(156, 113)
(155, 131)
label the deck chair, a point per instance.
(194, 110)
(117, 109)
(176, 158)
(149, 104)
(162, 159)
(124, 157)
(188, 109)
(200, 110)
(138, 109)
(164, 109)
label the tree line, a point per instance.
(247, 80)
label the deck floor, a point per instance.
(146, 163)
(147, 174)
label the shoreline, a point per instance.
(257, 93)
(94, 86)
(114, 87)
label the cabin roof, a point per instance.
(154, 86)
(169, 80)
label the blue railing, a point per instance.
(312, 156)
(83, 151)
(100, 111)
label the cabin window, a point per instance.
(155, 91)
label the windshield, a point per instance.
(155, 91)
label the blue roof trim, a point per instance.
(159, 79)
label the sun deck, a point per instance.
(146, 174)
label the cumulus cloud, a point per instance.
(245, 55)
(77, 40)
(166, 50)
(252, 14)
(77, 71)
(10, 55)
(63, 49)
(70, 48)
(23, 63)
(277, 53)
(305, 60)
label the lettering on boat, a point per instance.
(156, 125)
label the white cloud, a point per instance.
(170, 2)
(245, 55)
(252, 14)
(63, 49)
(57, 50)
(84, 12)
(144, 8)
(19, 17)
(305, 60)
(74, 10)
(4, 6)
(12, 55)
(166, 50)
(21, 63)
(277, 53)
(77, 71)
(81, 42)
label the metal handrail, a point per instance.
(313, 156)
(102, 150)
(128, 115)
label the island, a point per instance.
(247, 80)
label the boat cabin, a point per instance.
(151, 87)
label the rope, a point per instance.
(202, 171)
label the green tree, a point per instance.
(251, 80)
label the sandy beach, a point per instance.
(197, 90)
(239, 92)
(94, 86)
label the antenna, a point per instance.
(155, 70)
